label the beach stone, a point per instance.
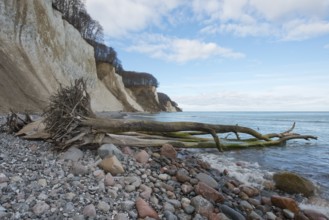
(169, 207)
(285, 203)
(110, 150)
(189, 209)
(42, 182)
(145, 210)
(246, 205)
(231, 213)
(293, 183)
(142, 157)
(109, 180)
(218, 216)
(99, 174)
(112, 165)
(130, 188)
(202, 206)
(40, 208)
(182, 176)
(169, 215)
(184, 216)
(270, 216)
(3, 178)
(254, 216)
(121, 216)
(164, 176)
(315, 215)
(288, 214)
(250, 191)
(207, 180)
(79, 169)
(302, 216)
(103, 206)
(73, 154)
(89, 211)
(127, 151)
(167, 150)
(127, 205)
(209, 193)
(146, 192)
(187, 188)
(199, 217)
(177, 204)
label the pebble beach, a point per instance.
(125, 182)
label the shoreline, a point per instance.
(36, 181)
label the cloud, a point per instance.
(181, 50)
(119, 18)
(292, 20)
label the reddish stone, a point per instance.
(285, 203)
(250, 191)
(142, 157)
(167, 150)
(145, 210)
(186, 188)
(314, 215)
(202, 206)
(209, 193)
(127, 150)
(266, 201)
(182, 176)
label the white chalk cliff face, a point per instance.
(38, 52)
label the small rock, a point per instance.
(218, 216)
(70, 196)
(40, 208)
(207, 180)
(288, 214)
(189, 209)
(146, 193)
(270, 216)
(186, 188)
(127, 205)
(145, 210)
(250, 191)
(182, 176)
(3, 178)
(110, 150)
(231, 213)
(169, 207)
(73, 154)
(167, 150)
(79, 169)
(164, 176)
(169, 215)
(315, 215)
(293, 183)
(199, 217)
(121, 216)
(142, 157)
(209, 193)
(109, 180)
(202, 206)
(285, 203)
(112, 165)
(42, 182)
(127, 151)
(254, 216)
(89, 211)
(103, 206)
(99, 174)
(130, 188)
(246, 205)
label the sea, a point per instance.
(309, 159)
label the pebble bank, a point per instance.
(124, 182)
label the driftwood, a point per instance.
(69, 121)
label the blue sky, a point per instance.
(225, 55)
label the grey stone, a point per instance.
(69, 207)
(207, 180)
(103, 206)
(73, 154)
(130, 188)
(121, 216)
(127, 205)
(199, 217)
(169, 215)
(288, 214)
(270, 216)
(169, 207)
(253, 215)
(246, 205)
(202, 206)
(183, 216)
(40, 208)
(175, 203)
(79, 169)
(89, 211)
(110, 150)
(189, 209)
(231, 213)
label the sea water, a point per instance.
(252, 166)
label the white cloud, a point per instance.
(181, 50)
(265, 18)
(121, 17)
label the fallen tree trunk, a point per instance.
(69, 121)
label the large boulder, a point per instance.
(293, 183)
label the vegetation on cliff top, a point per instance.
(74, 11)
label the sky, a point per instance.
(225, 55)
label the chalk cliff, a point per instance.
(39, 51)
